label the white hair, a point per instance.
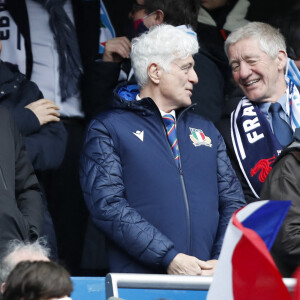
(271, 41)
(16, 247)
(161, 45)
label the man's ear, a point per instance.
(159, 17)
(2, 288)
(154, 73)
(282, 59)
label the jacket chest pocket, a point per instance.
(3, 185)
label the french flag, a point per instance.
(246, 269)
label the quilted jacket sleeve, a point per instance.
(231, 196)
(104, 193)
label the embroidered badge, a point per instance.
(198, 138)
(264, 167)
(139, 134)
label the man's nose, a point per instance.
(244, 70)
(193, 78)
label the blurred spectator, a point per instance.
(289, 25)
(18, 251)
(38, 120)
(282, 183)
(216, 19)
(51, 41)
(102, 76)
(22, 212)
(38, 280)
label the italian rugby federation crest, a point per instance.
(198, 138)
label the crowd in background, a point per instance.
(60, 64)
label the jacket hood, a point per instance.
(125, 98)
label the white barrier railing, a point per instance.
(114, 281)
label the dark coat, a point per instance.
(283, 183)
(21, 208)
(45, 144)
(148, 208)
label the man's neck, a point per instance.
(156, 97)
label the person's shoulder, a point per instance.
(198, 117)
(201, 121)
(104, 117)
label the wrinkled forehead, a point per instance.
(244, 46)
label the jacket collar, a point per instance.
(145, 106)
(6, 75)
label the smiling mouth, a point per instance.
(249, 83)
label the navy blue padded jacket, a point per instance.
(150, 209)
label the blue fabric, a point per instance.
(264, 107)
(293, 72)
(147, 215)
(172, 136)
(274, 212)
(281, 129)
(129, 92)
(252, 134)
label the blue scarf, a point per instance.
(255, 145)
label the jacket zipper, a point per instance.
(182, 183)
(184, 190)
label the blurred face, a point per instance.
(260, 77)
(138, 12)
(176, 85)
(213, 4)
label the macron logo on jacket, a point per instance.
(139, 134)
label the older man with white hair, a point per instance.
(155, 176)
(265, 119)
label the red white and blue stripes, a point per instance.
(172, 136)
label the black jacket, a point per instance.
(45, 144)
(283, 183)
(21, 209)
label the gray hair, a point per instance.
(16, 247)
(161, 45)
(271, 41)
